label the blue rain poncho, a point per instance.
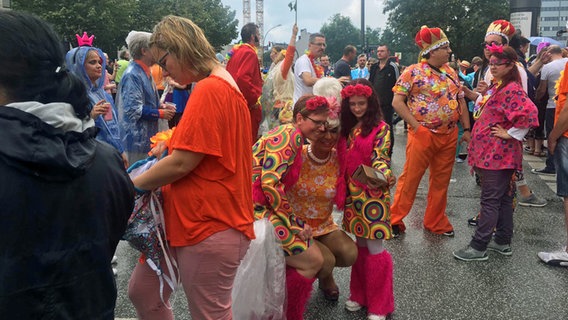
(110, 131)
(137, 102)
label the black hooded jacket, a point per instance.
(65, 199)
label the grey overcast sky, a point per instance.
(312, 14)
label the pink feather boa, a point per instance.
(289, 179)
(359, 153)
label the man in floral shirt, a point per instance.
(429, 98)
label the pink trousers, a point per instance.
(207, 271)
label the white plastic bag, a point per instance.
(259, 290)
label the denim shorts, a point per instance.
(561, 160)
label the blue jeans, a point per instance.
(561, 159)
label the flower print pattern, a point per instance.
(431, 96)
(312, 196)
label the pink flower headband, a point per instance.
(333, 107)
(495, 48)
(356, 90)
(313, 103)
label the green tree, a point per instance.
(339, 32)
(373, 37)
(111, 20)
(216, 20)
(463, 21)
(108, 20)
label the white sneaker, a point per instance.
(114, 260)
(371, 316)
(556, 258)
(352, 306)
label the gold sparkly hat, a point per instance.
(429, 39)
(501, 27)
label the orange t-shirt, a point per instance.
(562, 92)
(217, 194)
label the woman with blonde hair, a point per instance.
(205, 179)
(278, 88)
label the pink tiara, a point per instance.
(84, 40)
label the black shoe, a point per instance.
(544, 171)
(473, 221)
(395, 231)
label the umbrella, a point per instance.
(536, 40)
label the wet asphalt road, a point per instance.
(428, 282)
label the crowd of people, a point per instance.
(289, 149)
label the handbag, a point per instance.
(146, 230)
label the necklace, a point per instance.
(317, 68)
(316, 159)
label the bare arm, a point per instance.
(560, 126)
(308, 79)
(541, 90)
(399, 105)
(169, 169)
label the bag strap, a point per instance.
(173, 280)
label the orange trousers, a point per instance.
(426, 150)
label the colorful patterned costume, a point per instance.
(432, 99)
(367, 211)
(509, 108)
(276, 166)
(312, 196)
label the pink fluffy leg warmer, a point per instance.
(358, 281)
(379, 287)
(299, 289)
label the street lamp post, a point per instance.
(261, 52)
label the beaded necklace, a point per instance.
(316, 159)
(478, 109)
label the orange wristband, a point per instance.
(161, 112)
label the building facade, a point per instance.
(553, 18)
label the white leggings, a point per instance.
(375, 246)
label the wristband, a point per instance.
(466, 130)
(161, 112)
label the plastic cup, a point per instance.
(108, 114)
(170, 105)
